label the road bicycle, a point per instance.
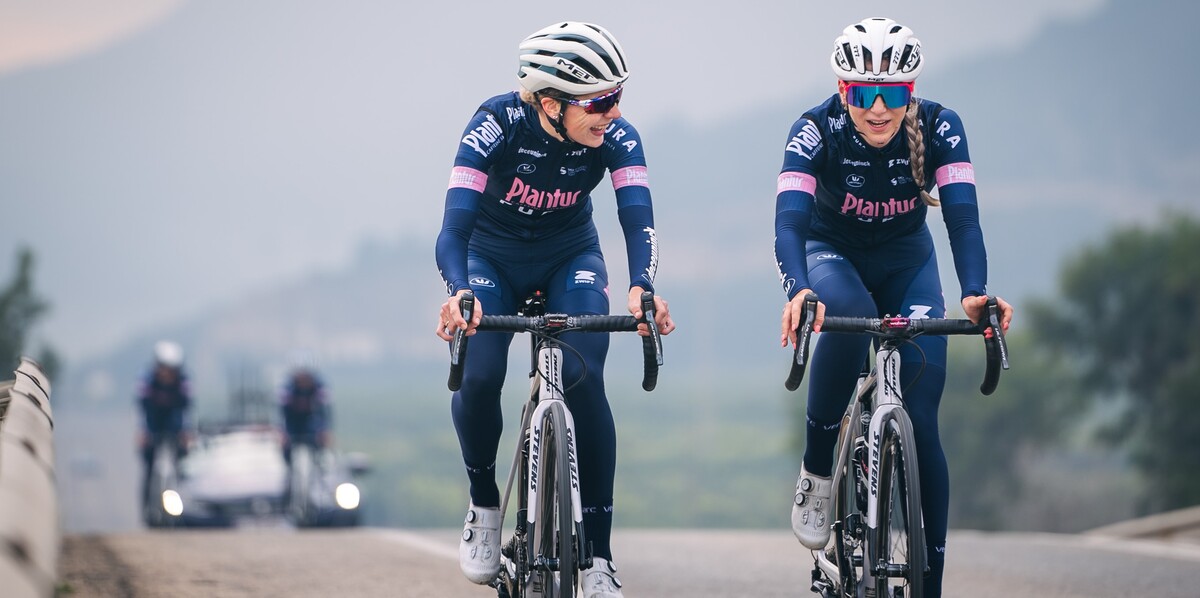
(547, 548)
(161, 503)
(307, 482)
(877, 536)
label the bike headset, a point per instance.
(535, 306)
(570, 59)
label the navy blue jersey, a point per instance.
(305, 406)
(515, 189)
(835, 188)
(164, 403)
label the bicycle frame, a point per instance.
(546, 390)
(878, 395)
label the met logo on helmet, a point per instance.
(575, 71)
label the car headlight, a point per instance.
(347, 496)
(172, 503)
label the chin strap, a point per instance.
(557, 122)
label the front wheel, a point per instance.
(847, 514)
(299, 507)
(898, 549)
(552, 543)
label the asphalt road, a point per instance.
(278, 561)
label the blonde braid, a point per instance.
(916, 152)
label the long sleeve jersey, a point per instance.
(514, 188)
(835, 187)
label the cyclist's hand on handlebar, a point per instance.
(451, 319)
(974, 308)
(793, 316)
(662, 313)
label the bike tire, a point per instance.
(847, 539)
(552, 540)
(162, 477)
(299, 481)
(898, 543)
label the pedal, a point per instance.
(824, 588)
(820, 585)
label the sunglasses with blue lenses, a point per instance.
(599, 104)
(862, 95)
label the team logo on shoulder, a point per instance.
(856, 180)
(480, 281)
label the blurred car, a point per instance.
(233, 473)
(239, 473)
(322, 491)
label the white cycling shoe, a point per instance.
(479, 548)
(810, 511)
(601, 580)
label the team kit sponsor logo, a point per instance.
(620, 134)
(806, 141)
(652, 268)
(527, 197)
(483, 139)
(942, 129)
(865, 208)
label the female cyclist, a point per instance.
(851, 203)
(518, 219)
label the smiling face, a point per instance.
(582, 127)
(877, 124)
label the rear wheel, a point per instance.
(899, 541)
(553, 544)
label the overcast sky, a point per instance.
(394, 85)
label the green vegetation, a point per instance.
(20, 309)
(1123, 325)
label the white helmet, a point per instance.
(877, 50)
(168, 353)
(572, 57)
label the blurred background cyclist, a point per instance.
(304, 407)
(165, 402)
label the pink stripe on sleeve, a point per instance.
(796, 181)
(468, 178)
(959, 172)
(630, 175)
